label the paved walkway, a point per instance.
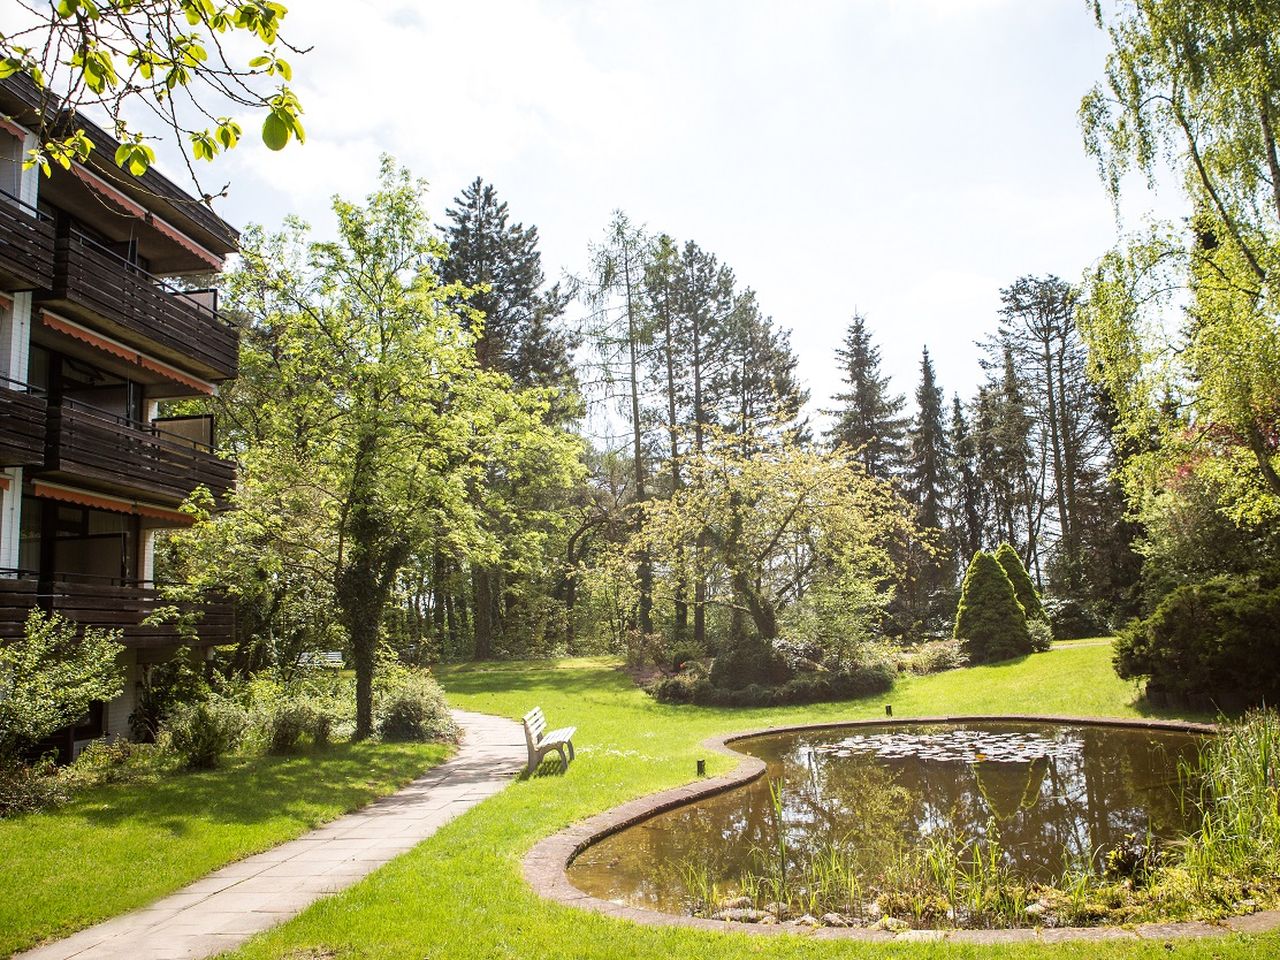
(222, 910)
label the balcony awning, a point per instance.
(102, 501)
(117, 349)
(9, 127)
(119, 199)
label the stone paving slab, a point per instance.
(222, 910)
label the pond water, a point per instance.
(1054, 794)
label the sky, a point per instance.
(902, 158)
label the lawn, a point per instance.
(460, 896)
(121, 846)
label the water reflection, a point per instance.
(1055, 794)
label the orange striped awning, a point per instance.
(102, 501)
(8, 126)
(117, 349)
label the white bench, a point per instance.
(540, 743)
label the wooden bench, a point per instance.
(540, 743)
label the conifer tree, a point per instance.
(966, 506)
(1023, 588)
(929, 455)
(990, 620)
(869, 418)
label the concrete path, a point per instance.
(225, 908)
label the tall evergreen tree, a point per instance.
(928, 449)
(516, 319)
(966, 506)
(869, 417)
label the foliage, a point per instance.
(169, 60)
(1074, 620)
(814, 686)
(50, 676)
(934, 656)
(28, 787)
(869, 421)
(411, 706)
(1204, 643)
(1041, 635)
(163, 687)
(201, 733)
(1023, 588)
(989, 619)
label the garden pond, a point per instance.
(1039, 798)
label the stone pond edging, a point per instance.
(545, 866)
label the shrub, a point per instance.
(412, 707)
(1023, 588)
(28, 787)
(747, 660)
(934, 657)
(1213, 642)
(163, 687)
(49, 677)
(990, 620)
(1041, 635)
(859, 681)
(1073, 620)
(201, 733)
(114, 761)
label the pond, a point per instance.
(1042, 797)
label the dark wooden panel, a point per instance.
(26, 248)
(120, 607)
(22, 416)
(88, 445)
(93, 284)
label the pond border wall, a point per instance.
(545, 866)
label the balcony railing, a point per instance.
(22, 415)
(122, 455)
(115, 605)
(95, 284)
(26, 246)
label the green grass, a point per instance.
(459, 895)
(121, 846)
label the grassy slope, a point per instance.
(121, 846)
(460, 895)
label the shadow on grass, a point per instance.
(253, 791)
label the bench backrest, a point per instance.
(534, 725)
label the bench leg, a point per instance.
(571, 756)
(564, 761)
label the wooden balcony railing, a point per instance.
(26, 246)
(117, 606)
(22, 415)
(86, 445)
(94, 284)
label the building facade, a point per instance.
(92, 343)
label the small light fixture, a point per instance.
(888, 709)
(702, 768)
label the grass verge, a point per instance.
(460, 896)
(117, 847)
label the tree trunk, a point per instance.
(644, 574)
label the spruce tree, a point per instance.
(966, 507)
(990, 621)
(1023, 588)
(928, 457)
(870, 416)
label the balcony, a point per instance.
(26, 246)
(117, 606)
(95, 285)
(22, 413)
(91, 447)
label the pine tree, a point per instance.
(966, 506)
(929, 454)
(870, 416)
(1023, 588)
(989, 620)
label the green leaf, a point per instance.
(275, 130)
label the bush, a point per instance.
(1073, 620)
(862, 680)
(50, 676)
(748, 660)
(28, 787)
(163, 687)
(1209, 643)
(1041, 635)
(412, 707)
(934, 657)
(294, 719)
(201, 733)
(114, 761)
(990, 620)
(1023, 588)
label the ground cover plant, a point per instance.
(119, 846)
(461, 895)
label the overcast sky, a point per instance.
(903, 158)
